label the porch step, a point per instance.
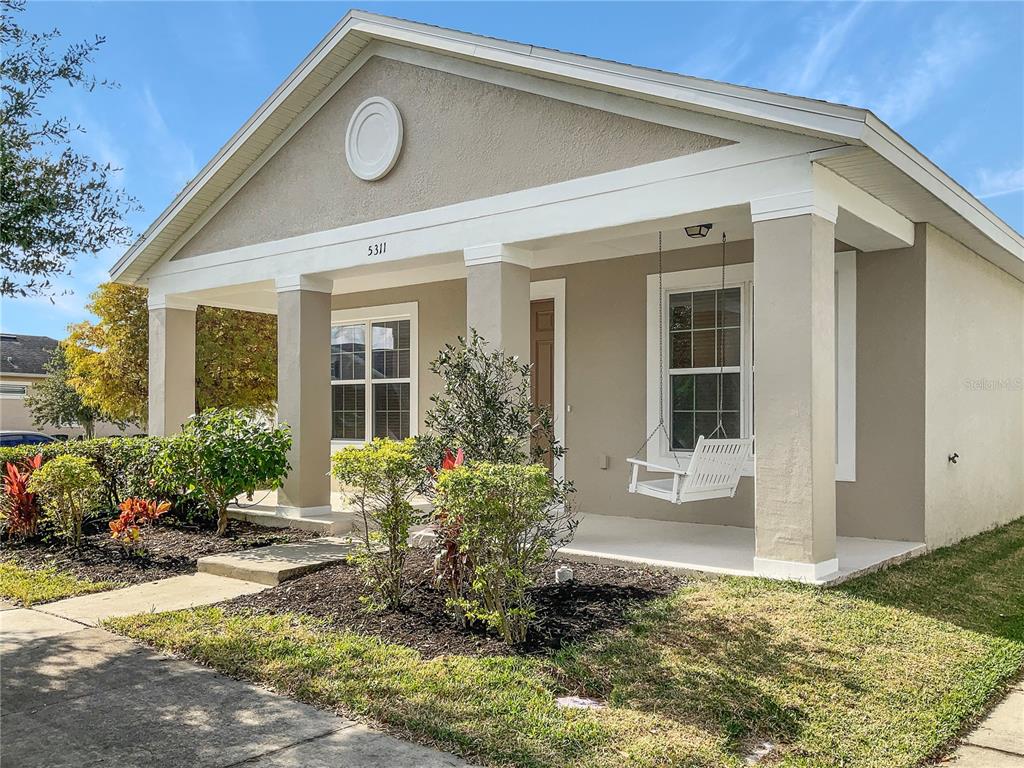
(279, 562)
(330, 524)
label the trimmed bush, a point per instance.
(222, 453)
(506, 533)
(67, 486)
(383, 475)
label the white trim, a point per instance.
(314, 283)
(494, 253)
(727, 176)
(846, 366)
(709, 278)
(164, 301)
(555, 289)
(404, 311)
(869, 209)
(812, 201)
(303, 511)
(809, 573)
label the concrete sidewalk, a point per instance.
(998, 742)
(74, 695)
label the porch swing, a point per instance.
(717, 462)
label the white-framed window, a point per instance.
(374, 373)
(13, 390)
(705, 326)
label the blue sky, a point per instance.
(948, 76)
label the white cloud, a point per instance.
(810, 68)
(989, 183)
(174, 157)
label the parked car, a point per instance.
(10, 438)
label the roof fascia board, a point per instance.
(898, 151)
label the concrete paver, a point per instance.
(277, 563)
(978, 757)
(73, 695)
(20, 626)
(166, 595)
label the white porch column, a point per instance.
(498, 297)
(794, 393)
(172, 363)
(304, 390)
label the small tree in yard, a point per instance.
(222, 453)
(503, 509)
(54, 402)
(484, 410)
(383, 475)
(67, 486)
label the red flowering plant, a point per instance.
(451, 563)
(20, 507)
(125, 529)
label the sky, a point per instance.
(949, 77)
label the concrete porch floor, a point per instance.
(717, 549)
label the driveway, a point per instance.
(73, 695)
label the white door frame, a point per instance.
(555, 289)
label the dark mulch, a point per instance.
(597, 600)
(172, 549)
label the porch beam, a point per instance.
(863, 221)
(304, 391)
(794, 398)
(172, 363)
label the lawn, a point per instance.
(44, 585)
(885, 671)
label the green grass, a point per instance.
(43, 586)
(882, 672)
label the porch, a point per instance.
(617, 306)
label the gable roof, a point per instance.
(25, 355)
(984, 232)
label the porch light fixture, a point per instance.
(697, 230)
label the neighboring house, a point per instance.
(406, 182)
(22, 364)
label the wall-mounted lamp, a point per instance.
(697, 230)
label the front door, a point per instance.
(542, 356)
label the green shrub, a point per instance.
(222, 453)
(67, 486)
(506, 531)
(383, 476)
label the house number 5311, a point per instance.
(377, 249)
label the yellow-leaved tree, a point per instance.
(236, 355)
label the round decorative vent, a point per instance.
(373, 140)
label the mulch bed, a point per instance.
(172, 550)
(598, 599)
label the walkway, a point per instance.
(75, 695)
(998, 742)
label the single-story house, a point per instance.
(23, 360)
(864, 317)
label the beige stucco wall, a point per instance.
(887, 500)
(463, 139)
(974, 403)
(15, 415)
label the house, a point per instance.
(23, 363)
(408, 182)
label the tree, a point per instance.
(55, 203)
(54, 402)
(236, 355)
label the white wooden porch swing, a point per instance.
(717, 462)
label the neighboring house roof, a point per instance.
(876, 159)
(25, 355)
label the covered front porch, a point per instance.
(618, 307)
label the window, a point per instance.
(706, 326)
(13, 390)
(373, 377)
